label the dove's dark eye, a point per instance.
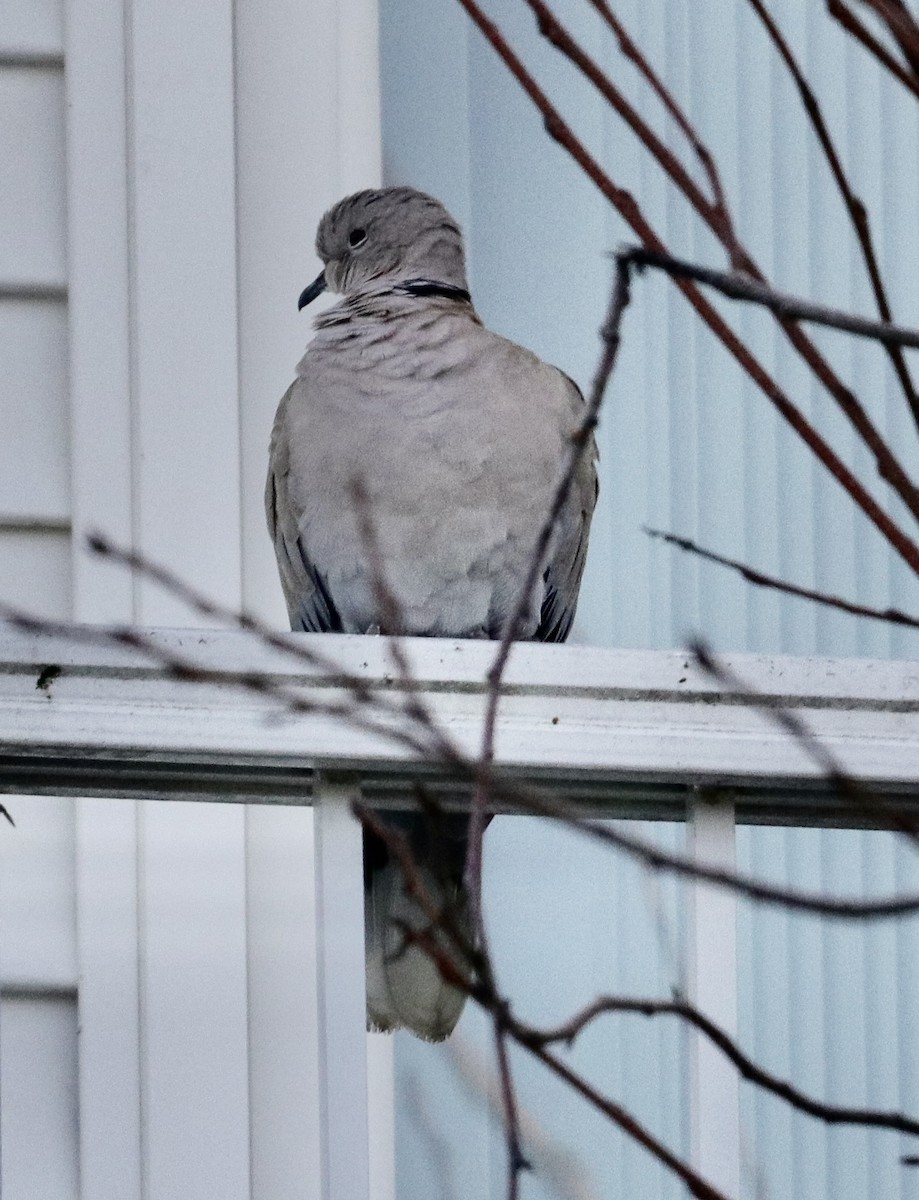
(356, 238)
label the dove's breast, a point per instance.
(457, 438)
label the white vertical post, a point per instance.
(714, 1083)
(343, 1136)
(381, 1117)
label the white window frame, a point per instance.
(630, 733)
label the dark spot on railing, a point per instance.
(46, 677)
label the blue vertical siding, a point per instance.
(687, 443)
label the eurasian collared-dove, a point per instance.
(457, 437)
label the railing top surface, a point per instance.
(643, 726)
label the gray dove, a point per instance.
(457, 438)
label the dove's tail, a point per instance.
(406, 988)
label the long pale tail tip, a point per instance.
(405, 988)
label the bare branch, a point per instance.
(706, 158)
(624, 1119)
(716, 214)
(858, 214)
(888, 466)
(628, 209)
(420, 733)
(832, 1114)
(862, 801)
(902, 25)
(751, 575)
(453, 961)
(793, 899)
(738, 286)
(580, 442)
(852, 25)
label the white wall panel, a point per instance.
(37, 911)
(35, 571)
(34, 416)
(186, 508)
(184, 285)
(32, 25)
(38, 1098)
(171, 905)
(32, 197)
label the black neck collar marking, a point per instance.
(431, 287)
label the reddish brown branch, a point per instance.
(626, 1122)
(888, 466)
(751, 575)
(863, 801)
(464, 966)
(738, 286)
(420, 734)
(858, 214)
(482, 990)
(557, 35)
(628, 209)
(581, 442)
(902, 26)
(832, 1114)
(852, 25)
(630, 51)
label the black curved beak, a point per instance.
(309, 294)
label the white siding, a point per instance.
(38, 961)
(38, 1097)
(158, 216)
(32, 26)
(686, 444)
(34, 449)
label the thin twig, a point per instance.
(852, 25)
(832, 1114)
(888, 466)
(580, 444)
(426, 739)
(455, 966)
(438, 747)
(557, 35)
(738, 286)
(536, 1039)
(482, 991)
(902, 25)
(581, 441)
(855, 207)
(628, 209)
(751, 575)
(862, 800)
(793, 899)
(697, 1186)
(517, 1161)
(631, 51)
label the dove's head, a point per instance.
(389, 234)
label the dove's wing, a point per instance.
(562, 577)
(309, 605)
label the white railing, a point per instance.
(629, 734)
